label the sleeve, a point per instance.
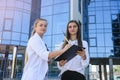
(39, 48)
(85, 63)
(59, 47)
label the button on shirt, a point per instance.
(37, 65)
(76, 63)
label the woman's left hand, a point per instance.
(82, 54)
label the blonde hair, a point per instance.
(33, 32)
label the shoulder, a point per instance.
(85, 43)
(34, 38)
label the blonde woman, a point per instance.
(37, 63)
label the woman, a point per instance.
(74, 69)
(37, 64)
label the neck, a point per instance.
(73, 37)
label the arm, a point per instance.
(84, 55)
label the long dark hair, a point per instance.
(78, 33)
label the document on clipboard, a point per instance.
(70, 53)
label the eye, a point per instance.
(69, 26)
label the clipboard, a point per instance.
(70, 53)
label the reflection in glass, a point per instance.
(59, 9)
(8, 24)
(17, 21)
(48, 40)
(6, 35)
(9, 14)
(25, 23)
(100, 39)
(91, 19)
(99, 17)
(15, 36)
(60, 23)
(46, 2)
(46, 11)
(92, 42)
(24, 37)
(6, 42)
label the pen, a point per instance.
(66, 38)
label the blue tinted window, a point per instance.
(107, 16)
(60, 23)
(99, 17)
(61, 8)
(113, 3)
(27, 6)
(57, 39)
(2, 13)
(100, 39)
(107, 25)
(91, 19)
(92, 26)
(19, 4)
(99, 26)
(6, 42)
(15, 36)
(93, 42)
(92, 35)
(60, 1)
(98, 4)
(106, 3)
(46, 2)
(26, 23)
(2, 3)
(28, 1)
(1, 24)
(23, 43)
(8, 24)
(108, 39)
(6, 35)
(0, 35)
(47, 40)
(17, 21)
(15, 42)
(46, 11)
(92, 4)
(10, 3)
(24, 37)
(9, 13)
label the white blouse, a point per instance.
(37, 65)
(76, 63)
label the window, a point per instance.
(8, 24)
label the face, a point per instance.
(41, 27)
(72, 28)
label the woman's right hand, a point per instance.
(67, 46)
(62, 62)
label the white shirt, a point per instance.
(37, 65)
(76, 63)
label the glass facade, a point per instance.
(14, 31)
(104, 27)
(14, 21)
(57, 14)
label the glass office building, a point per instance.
(100, 27)
(14, 34)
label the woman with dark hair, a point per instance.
(37, 55)
(74, 69)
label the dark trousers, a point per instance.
(72, 75)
